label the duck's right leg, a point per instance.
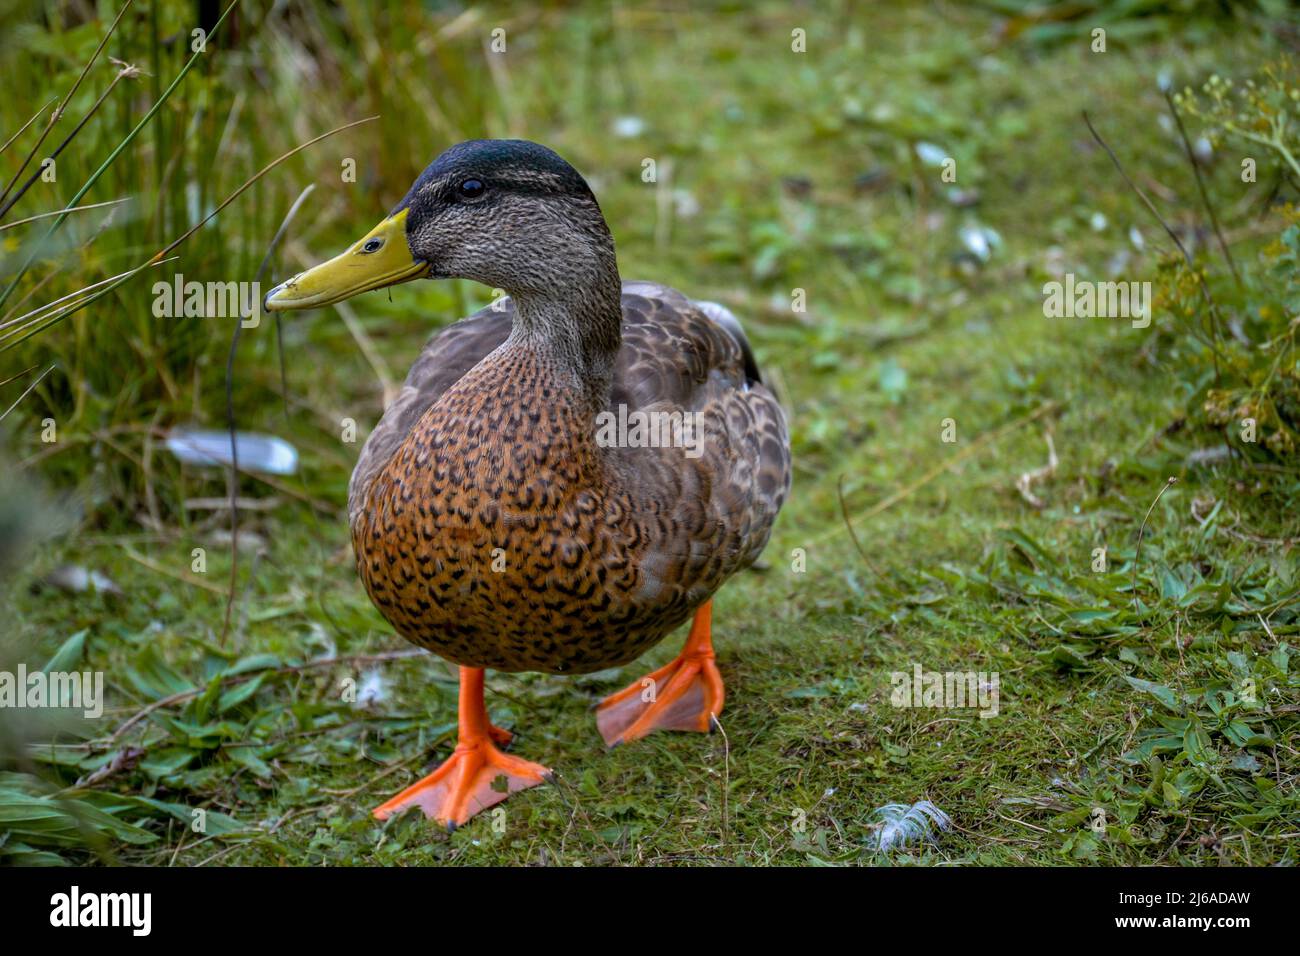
(477, 775)
(686, 694)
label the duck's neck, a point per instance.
(574, 327)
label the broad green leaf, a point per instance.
(215, 822)
(253, 662)
(1089, 614)
(153, 678)
(1153, 745)
(1171, 586)
(238, 694)
(1196, 743)
(1159, 691)
(160, 763)
(247, 757)
(69, 654)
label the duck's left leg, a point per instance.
(476, 775)
(686, 694)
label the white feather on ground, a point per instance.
(902, 824)
(373, 690)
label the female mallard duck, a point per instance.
(567, 475)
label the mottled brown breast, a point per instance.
(491, 527)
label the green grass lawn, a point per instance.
(1133, 727)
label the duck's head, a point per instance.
(507, 213)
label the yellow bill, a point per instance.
(381, 258)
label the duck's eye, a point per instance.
(472, 188)
(373, 245)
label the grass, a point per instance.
(1166, 712)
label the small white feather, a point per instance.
(373, 690)
(902, 824)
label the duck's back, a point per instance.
(497, 525)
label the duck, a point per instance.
(567, 476)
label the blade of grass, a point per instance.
(156, 259)
(284, 398)
(58, 112)
(94, 177)
(16, 376)
(256, 176)
(27, 391)
(37, 318)
(890, 500)
(19, 320)
(261, 271)
(22, 129)
(1211, 343)
(1137, 554)
(232, 485)
(56, 212)
(127, 71)
(1200, 187)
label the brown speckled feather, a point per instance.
(491, 527)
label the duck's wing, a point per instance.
(720, 501)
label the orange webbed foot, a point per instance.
(686, 694)
(477, 775)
